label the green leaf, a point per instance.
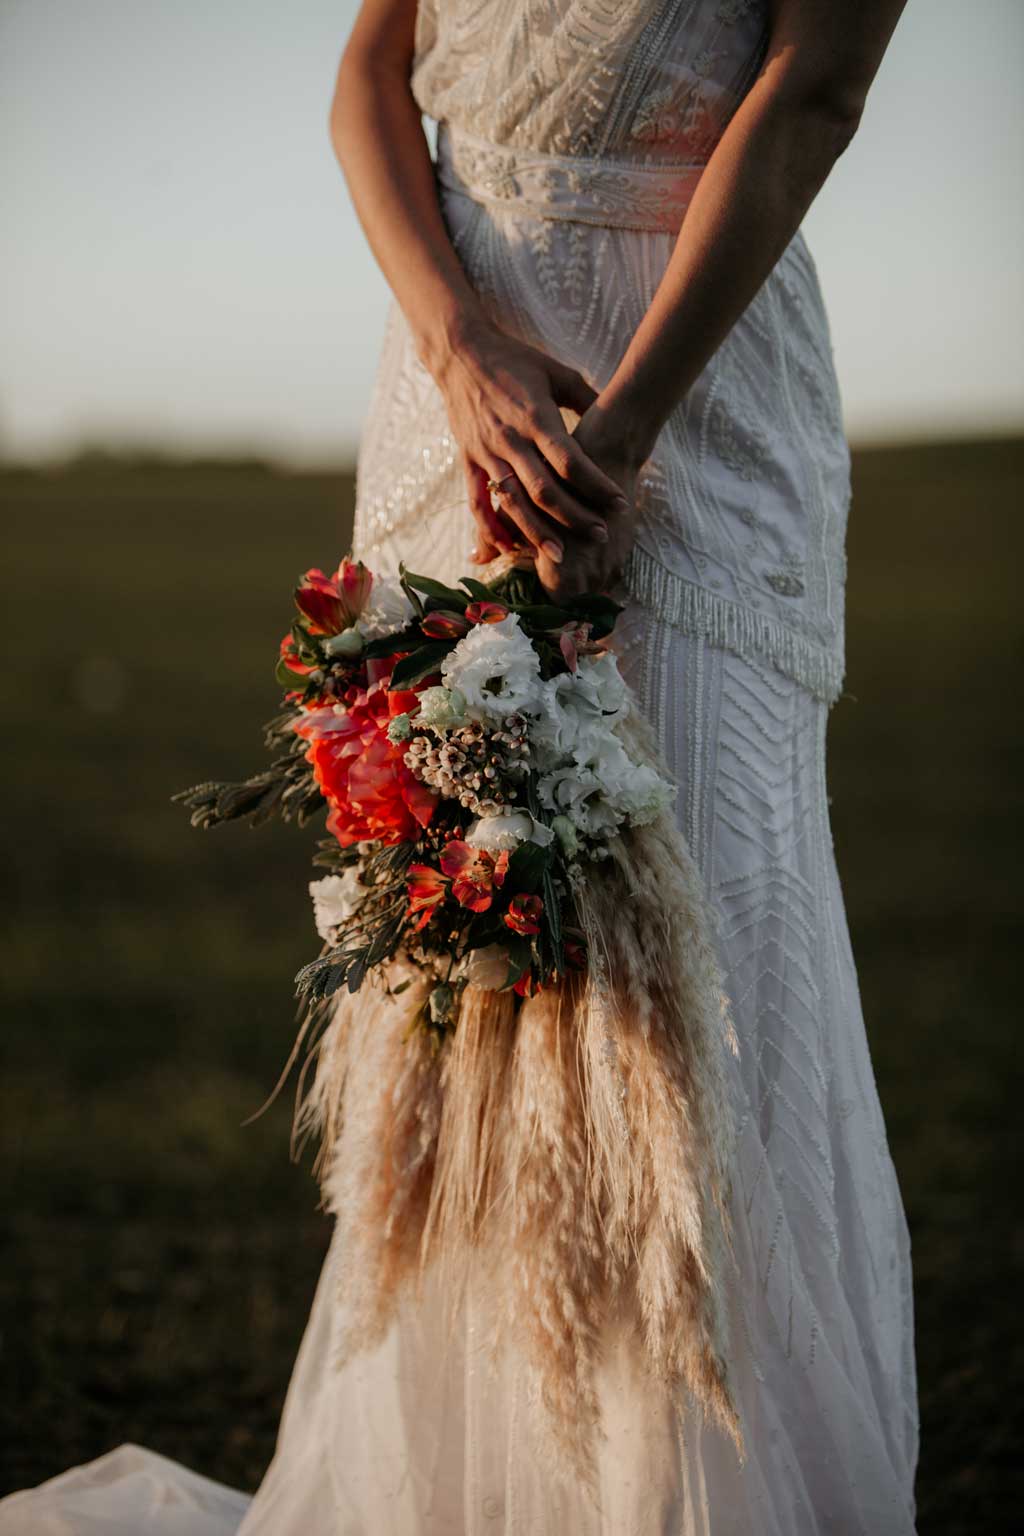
(450, 597)
(420, 663)
(300, 634)
(518, 586)
(594, 603)
(357, 973)
(485, 928)
(554, 917)
(526, 868)
(598, 610)
(322, 978)
(520, 958)
(287, 678)
(388, 862)
(387, 645)
(543, 615)
(477, 589)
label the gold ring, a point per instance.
(496, 485)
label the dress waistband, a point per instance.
(615, 194)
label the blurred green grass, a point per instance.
(158, 1260)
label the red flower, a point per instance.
(526, 986)
(427, 888)
(289, 654)
(472, 873)
(475, 874)
(373, 796)
(443, 624)
(486, 613)
(523, 915)
(333, 603)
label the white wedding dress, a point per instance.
(572, 134)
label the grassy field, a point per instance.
(158, 1260)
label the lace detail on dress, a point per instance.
(621, 78)
(745, 496)
(609, 193)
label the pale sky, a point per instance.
(182, 267)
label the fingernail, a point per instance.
(621, 504)
(599, 531)
(553, 551)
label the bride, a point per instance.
(607, 338)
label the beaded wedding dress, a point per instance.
(572, 133)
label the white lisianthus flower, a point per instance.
(387, 611)
(645, 796)
(441, 708)
(631, 791)
(488, 967)
(336, 899)
(579, 710)
(566, 791)
(507, 829)
(497, 670)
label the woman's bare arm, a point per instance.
(502, 395)
(775, 154)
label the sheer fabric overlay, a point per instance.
(572, 134)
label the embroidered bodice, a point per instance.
(571, 137)
(622, 79)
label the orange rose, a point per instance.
(373, 796)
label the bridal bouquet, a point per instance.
(516, 1022)
(465, 743)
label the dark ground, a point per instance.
(158, 1260)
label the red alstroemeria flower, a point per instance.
(443, 624)
(472, 873)
(475, 874)
(526, 986)
(373, 795)
(523, 915)
(289, 654)
(333, 603)
(486, 613)
(427, 887)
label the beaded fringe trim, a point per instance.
(697, 611)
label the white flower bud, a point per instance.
(566, 834)
(349, 643)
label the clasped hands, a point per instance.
(566, 495)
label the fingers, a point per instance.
(570, 388)
(495, 534)
(585, 478)
(550, 495)
(532, 524)
(565, 579)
